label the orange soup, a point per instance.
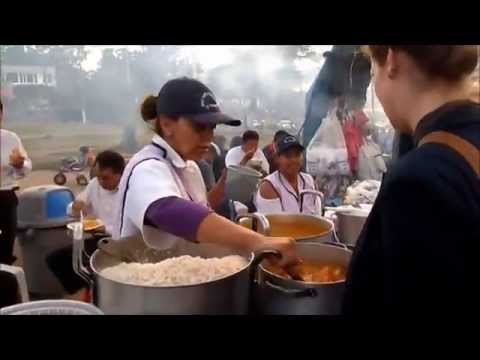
(311, 271)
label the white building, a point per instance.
(16, 75)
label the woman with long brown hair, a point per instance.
(418, 250)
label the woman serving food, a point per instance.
(162, 194)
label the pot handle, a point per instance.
(258, 258)
(257, 218)
(261, 255)
(78, 256)
(309, 292)
(337, 241)
(315, 193)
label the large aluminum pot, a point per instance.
(302, 227)
(276, 295)
(228, 295)
(350, 225)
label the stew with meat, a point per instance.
(311, 271)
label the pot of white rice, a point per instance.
(196, 279)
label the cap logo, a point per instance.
(289, 139)
(208, 101)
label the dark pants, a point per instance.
(8, 225)
(9, 291)
(60, 262)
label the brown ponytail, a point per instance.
(149, 108)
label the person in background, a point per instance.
(215, 187)
(98, 198)
(418, 250)
(280, 191)
(96, 201)
(206, 168)
(248, 154)
(218, 162)
(270, 150)
(220, 141)
(235, 141)
(14, 164)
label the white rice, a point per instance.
(176, 271)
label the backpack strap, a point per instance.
(467, 150)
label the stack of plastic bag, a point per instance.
(371, 165)
(362, 192)
(327, 152)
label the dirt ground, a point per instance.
(45, 177)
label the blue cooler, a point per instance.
(42, 216)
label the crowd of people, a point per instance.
(416, 251)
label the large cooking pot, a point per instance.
(350, 224)
(302, 227)
(228, 295)
(276, 295)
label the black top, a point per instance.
(419, 249)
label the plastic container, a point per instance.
(42, 216)
(52, 307)
(44, 206)
(241, 183)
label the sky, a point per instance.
(209, 56)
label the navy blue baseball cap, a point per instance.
(191, 98)
(288, 142)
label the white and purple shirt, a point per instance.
(288, 199)
(162, 197)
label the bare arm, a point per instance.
(217, 193)
(218, 230)
(267, 191)
(202, 225)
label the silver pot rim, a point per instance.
(352, 214)
(310, 237)
(98, 274)
(305, 283)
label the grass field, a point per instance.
(48, 142)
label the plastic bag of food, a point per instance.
(371, 165)
(327, 152)
(364, 192)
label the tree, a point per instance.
(67, 98)
(268, 90)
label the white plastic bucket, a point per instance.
(52, 307)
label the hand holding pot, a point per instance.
(286, 247)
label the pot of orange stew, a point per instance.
(323, 270)
(302, 227)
